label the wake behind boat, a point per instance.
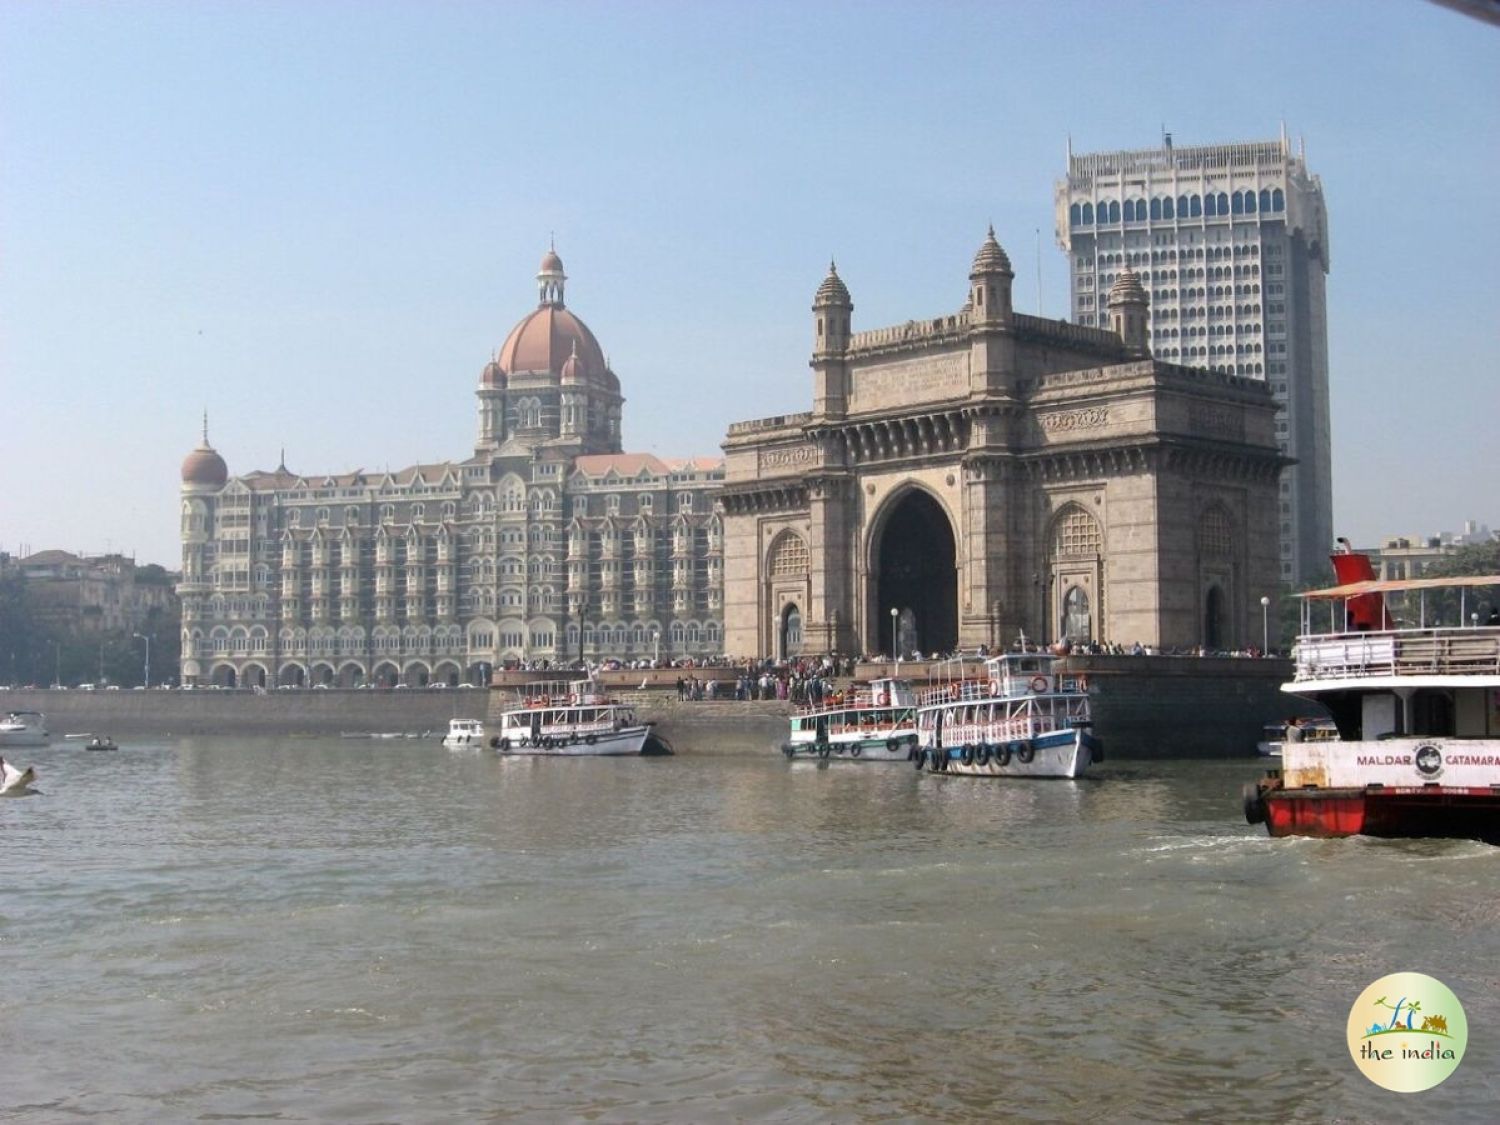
(1010, 717)
(1418, 752)
(16, 782)
(569, 718)
(876, 722)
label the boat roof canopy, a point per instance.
(1395, 585)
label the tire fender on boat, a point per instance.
(966, 755)
(920, 758)
(893, 744)
(1002, 755)
(982, 758)
(591, 738)
(1254, 804)
(1026, 752)
(855, 751)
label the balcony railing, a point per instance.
(1406, 652)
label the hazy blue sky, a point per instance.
(317, 221)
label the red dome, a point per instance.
(546, 339)
(551, 263)
(203, 466)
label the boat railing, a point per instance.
(1403, 652)
(561, 693)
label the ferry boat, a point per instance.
(1013, 718)
(874, 722)
(1272, 735)
(570, 718)
(1417, 707)
(24, 728)
(464, 734)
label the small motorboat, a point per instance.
(102, 742)
(464, 734)
(16, 783)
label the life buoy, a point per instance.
(1002, 755)
(893, 744)
(855, 751)
(881, 699)
(982, 758)
(1038, 684)
(966, 755)
(1026, 753)
(994, 687)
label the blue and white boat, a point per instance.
(1015, 718)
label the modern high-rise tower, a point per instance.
(1231, 243)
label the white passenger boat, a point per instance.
(24, 728)
(1417, 707)
(569, 718)
(1010, 717)
(874, 722)
(464, 734)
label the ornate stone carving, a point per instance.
(1063, 421)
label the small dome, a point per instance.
(991, 257)
(493, 376)
(551, 263)
(203, 466)
(833, 291)
(1127, 288)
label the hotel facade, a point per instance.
(548, 544)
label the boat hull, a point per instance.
(893, 748)
(1429, 811)
(1059, 754)
(24, 735)
(626, 740)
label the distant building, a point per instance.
(547, 544)
(1231, 241)
(1412, 556)
(964, 478)
(88, 593)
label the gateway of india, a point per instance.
(969, 478)
(549, 543)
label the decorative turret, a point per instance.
(990, 283)
(203, 469)
(550, 279)
(1128, 307)
(832, 309)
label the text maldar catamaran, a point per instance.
(1417, 708)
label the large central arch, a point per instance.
(917, 568)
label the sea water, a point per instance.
(381, 930)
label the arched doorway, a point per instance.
(1213, 619)
(1077, 625)
(918, 575)
(791, 632)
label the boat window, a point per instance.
(1431, 713)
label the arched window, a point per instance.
(1130, 210)
(1075, 215)
(1210, 205)
(1195, 206)
(1250, 202)
(1114, 212)
(1265, 199)
(1237, 204)
(1088, 214)
(1278, 201)
(1223, 203)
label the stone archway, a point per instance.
(224, 676)
(1213, 619)
(789, 635)
(916, 566)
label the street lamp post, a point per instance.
(655, 647)
(144, 637)
(1265, 625)
(895, 644)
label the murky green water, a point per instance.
(366, 931)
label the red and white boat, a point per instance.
(1417, 706)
